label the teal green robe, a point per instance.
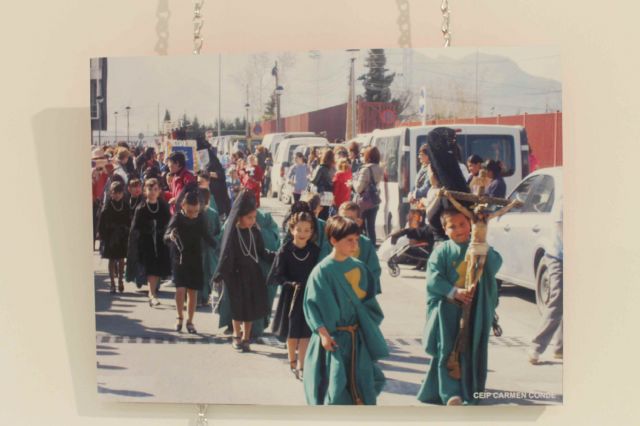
(271, 237)
(210, 255)
(321, 239)
(342, 294)
(369, 257)
(445, 268)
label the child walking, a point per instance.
(150, 220)
(446, 271)
(342, 311)
(186, 230)
(291, 268)
(113, 226)
(239, 268)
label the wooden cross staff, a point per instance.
(476, 254)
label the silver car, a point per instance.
(526, 233)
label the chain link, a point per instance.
(202, 412)
(198, 23)
(446, 20)
(404, 23)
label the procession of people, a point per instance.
(155, 219)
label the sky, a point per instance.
(189, 84)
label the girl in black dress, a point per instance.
(150, 220)
(113, 226)
(293, 264)
(185, 232)
(239, 269)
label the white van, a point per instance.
(284, 158)
(399, 157)
(272, 140)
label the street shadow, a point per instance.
(390, 367)
(400, 387)
(512, 290)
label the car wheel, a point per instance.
(543, 288)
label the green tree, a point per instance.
(167, 115)
(270, 108)
(376, 81)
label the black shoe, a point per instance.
(246, 347)
(236, 344)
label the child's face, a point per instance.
(173, 167)
(302, 232)
(135, 190)
(414, 219)
(474, 168)
(116, 196)
(153, 193)
(348, 246)
(203, 183)
(458, 228)
(248, 220)
(191, 210)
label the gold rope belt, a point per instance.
(353, 388)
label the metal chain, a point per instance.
(404, 23)
(446, 18)
(198, 23)
(202, 412)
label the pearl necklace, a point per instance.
(149, 208)
(114, 207)
(306, 256)
(250, 251)
(134, 204)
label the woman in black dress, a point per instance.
(293, 264)
(322, 178)
(239, 268)
(113, 227)
(149, 223)
(186, 231)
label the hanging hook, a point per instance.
(446, 20)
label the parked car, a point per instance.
(523, 235)
(271, 141)
(284, 159)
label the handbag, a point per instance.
(370, 197)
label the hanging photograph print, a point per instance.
(349, 227)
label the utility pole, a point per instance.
(351, 104)
(274, 71)
(219, 95)
(115, 135)
(315, 55)
(158, 118)
(246, 105)
(476, 82)
(128, 108)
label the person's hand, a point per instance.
(463, 296)
(172, 201)
(327, 341)
(213, 175)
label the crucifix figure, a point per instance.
(476, 254)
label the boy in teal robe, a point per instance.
(367, 251)
(446, 270)
(271, 236)
(341, 309)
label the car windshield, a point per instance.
(488, 147)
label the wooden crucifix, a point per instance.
(476, 255)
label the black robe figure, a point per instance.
(134, 270)
(186, 252)
(291, 269)
(218, 186)
(146, 244)
(441, 148)
(114, 223)
(239, 267)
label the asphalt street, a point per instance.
(140, 358)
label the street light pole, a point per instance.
(128, 108)
(246, 106)
(115, 135)
(99, 100)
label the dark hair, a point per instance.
(151, 172)
(349, 206)
(313, 200)
(151, 182)
(424, 149)
(354, 148)
(123, 144)
(302, 217)
(494, 167)
(192, 198)
(149, 152)
(474, 159)
(204, 195)
(178, 158)
(372, 155)
(339, 227)
(327, 158)
(116, 186)
(297, 207)
(299, 155)
(449, 212)
(204, 175)
(134, 181)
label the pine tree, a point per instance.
(270, 108)
(376, 82)
(167, 116)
